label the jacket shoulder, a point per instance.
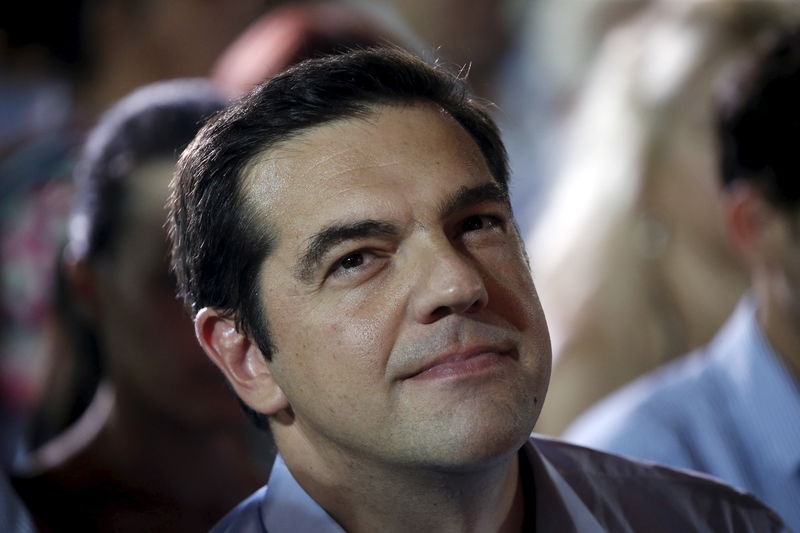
(641, 493)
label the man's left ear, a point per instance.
(240, 359)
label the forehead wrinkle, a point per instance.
(364, 119)
(335, 173)
(294, 162)
(326, 158)
(340, 161)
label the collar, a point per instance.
(761, 392)
(559, 508)
(287, 507)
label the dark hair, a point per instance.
(218, 244)
(759, 121)
(157, 120)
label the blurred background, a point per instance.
(605, 107)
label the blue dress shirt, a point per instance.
(281, 505)
(731, 409)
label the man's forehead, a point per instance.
(389, 135)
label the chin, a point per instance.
(468, 442)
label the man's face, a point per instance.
(406, 324)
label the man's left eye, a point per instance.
(479, 222)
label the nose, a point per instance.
(448, 283)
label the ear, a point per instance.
(752, 224)
(243, 364)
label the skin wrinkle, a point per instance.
(284, 152)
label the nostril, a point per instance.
(441, 312)
(477, 304)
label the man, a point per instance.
(732, 409)
(344, 239)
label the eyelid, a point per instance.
(496, 216)
(335, 266)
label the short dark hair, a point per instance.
(157, 120)
(218, 244)
(759, 121)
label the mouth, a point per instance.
(464, 362)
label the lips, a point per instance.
(462, 362)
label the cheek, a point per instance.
(338, 341)
(511, 290)
(361, 342)
(368, 320)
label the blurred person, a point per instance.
(344, 239)
(61, 63)
(732, 408)
(560, 44)
(631, 253)
(163, 445)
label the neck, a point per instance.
(364, 495)
(779, 319)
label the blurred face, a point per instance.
(147, 338)
(406, 324)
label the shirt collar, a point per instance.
(761, 391)
(287, 507)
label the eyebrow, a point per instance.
(469, 196)
(321, 243)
